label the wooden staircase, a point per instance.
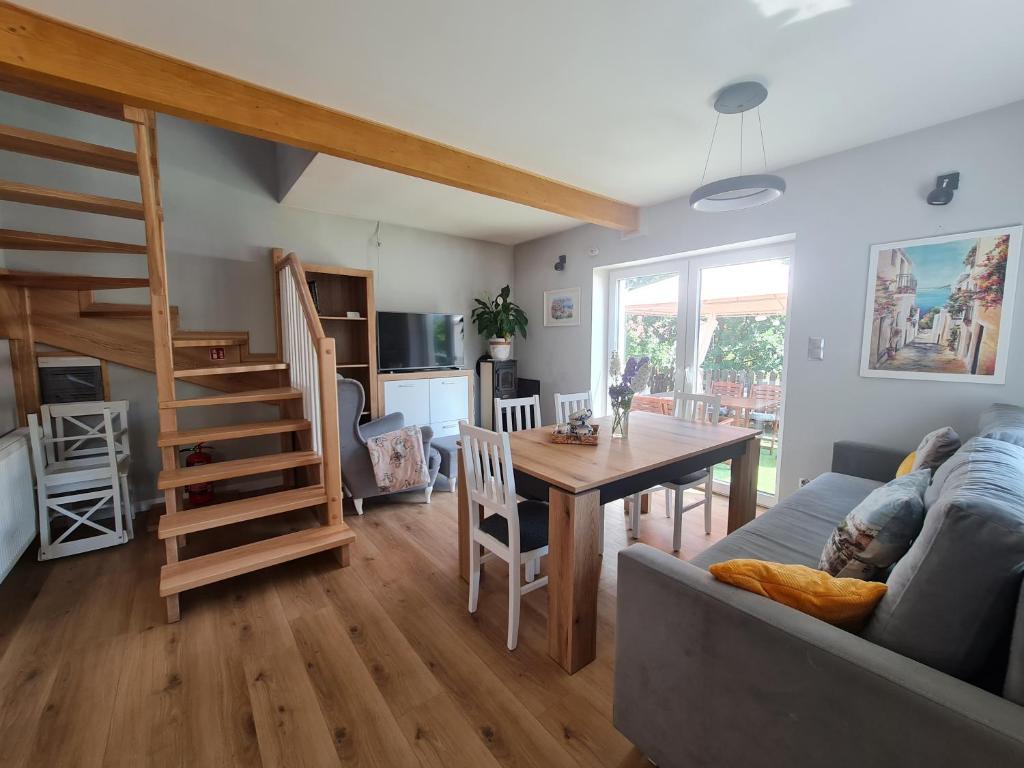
(61, 310)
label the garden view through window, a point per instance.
(736, 346)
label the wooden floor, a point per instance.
(306, 664)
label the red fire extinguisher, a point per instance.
(199, 494)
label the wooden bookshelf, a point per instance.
(338, 291)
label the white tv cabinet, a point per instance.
(438, 399)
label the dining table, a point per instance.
(577, 480)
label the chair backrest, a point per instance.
(76, 430)
(698, 408)
(567, 404)
(517, 413)
(730, 388)
(490, 482)
(771, 392)
(42, 446)
(656, 403)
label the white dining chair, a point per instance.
(76, 490)
(694, 408)
(514, 531)
(565, 405)
(74, 432)
(516, 413)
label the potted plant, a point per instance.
(500, 320)
(625, 384)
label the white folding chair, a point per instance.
(75, 432)
(565, 405)
(76, 490)
(515, 531)
(516, 413)
(695, 408)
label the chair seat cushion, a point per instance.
(533, 526)
(693, 477)
(758, 416)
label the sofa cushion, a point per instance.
(879, 530)
(1013, 686)
(846, 603)
(952, 597)
(935, 448)
(795, 530)
(1001, 421)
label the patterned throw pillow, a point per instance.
(879, 530)
(935, 448)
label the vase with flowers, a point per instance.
(626, 382)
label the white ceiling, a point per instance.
(611, 96)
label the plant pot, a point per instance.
(500, 349)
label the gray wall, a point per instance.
(219, 192)
(837, 207)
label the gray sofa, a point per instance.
(357, 476)
(710, 675)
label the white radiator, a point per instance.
(17, 499)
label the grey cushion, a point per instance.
(1013, 687)
(935, 448)
(952, 597)
(879, 530)
(1001, 421)
(533, 526)
(795, 530)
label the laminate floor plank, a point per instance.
(307, 664)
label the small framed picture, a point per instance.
(562, 307)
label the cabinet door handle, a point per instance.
(406, 386)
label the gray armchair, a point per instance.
(356, 470)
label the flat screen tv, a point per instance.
(412, 341)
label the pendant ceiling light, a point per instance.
(743, 191)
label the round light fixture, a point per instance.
(738, 192)
(746, 190)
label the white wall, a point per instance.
(219, 192)
(837, 207)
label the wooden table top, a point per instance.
(654, 441)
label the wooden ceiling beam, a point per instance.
(64, 58)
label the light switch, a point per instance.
(815, 349)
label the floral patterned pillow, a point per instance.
(879, 530)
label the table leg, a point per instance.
(743, 485)
(574, 568)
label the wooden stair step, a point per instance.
(184, 373)
(228, 513)
(37, 241)
(210, 338)
(30, 194)
(225, 470)
(67, 150)
(271, 395)
(104, 309)
(231, 432)
(217, 566)
(62, 282)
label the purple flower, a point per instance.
(632, 366)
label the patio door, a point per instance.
(712, 323)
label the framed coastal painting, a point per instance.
(562, 307)
(941, 308)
